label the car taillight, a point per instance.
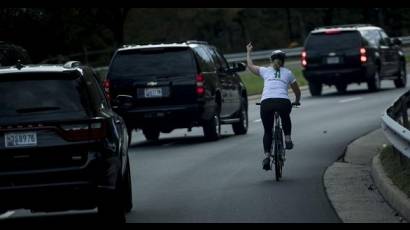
(94, 130)
(363, 56)
(200, 89)
(304, 58)
(106, 86)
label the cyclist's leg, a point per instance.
(267, 117)
(285, 107)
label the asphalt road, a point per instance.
(183, 178)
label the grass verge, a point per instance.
(398, 170)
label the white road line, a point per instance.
(259, 120)
(350, 99)
(6, 215)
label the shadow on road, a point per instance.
(177, 141)
(53, 218)
(352, 92)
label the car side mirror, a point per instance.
(396, 41)
(123, 101)
(238, 67)
(388, 41)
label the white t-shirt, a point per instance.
(276, 83)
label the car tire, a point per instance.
(126, 189)
(401, 82)
(212, 128)
(111, 207)
(129, 130)
(241, 127)
(151, 134)
(315, 88)
(374, 84)
(341, 88)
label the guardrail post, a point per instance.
(405, 117)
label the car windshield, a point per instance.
(159, 62)
(42, 95)
(333, 42)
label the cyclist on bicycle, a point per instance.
(275, 98)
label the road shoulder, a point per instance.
(350, 187)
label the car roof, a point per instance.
(38, 69)
(345, 28)
(187, 44)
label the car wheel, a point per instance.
(151, 134)
(212, 128)
(374, 84)
(111, 208)
(126, 189)
(241, 127)
(315, 88)
(401, 82)
(341, 88)
(129, 130)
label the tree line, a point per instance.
(56, 34)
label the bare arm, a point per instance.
(296, 91)
(253, 68)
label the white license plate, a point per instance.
(23, 139)
(333, 60)
(153, 92)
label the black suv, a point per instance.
(340, 55)
(159, 88)
(61, 145)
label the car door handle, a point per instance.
(117, 121)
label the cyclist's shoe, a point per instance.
(289, 144)
(266, 164)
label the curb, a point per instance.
(396, 198)
(350, 188)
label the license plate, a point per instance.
(23, 139)
(333, 60)
(153, 92)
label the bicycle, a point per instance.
(278, 157)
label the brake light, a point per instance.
(304, 58)
(94, 130)
(106, 86)
(200, 89)
(363, 56)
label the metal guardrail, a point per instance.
(259, 55)
(395, 124)
(264, 54)
(291, 53)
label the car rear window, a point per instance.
(159, 62)
(43, 95)
(323, 42)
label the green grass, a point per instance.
(398, 171)
(254, 83)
